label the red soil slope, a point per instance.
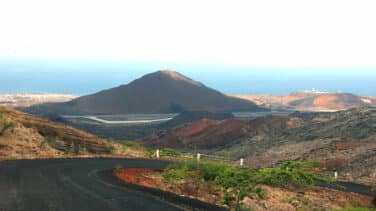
(207, 134)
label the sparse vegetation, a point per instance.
(131, 144)
(238, 183)
(43, 143)
(5, 123)
(290, 175)
(111, 149)
(165, 152)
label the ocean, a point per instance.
(81, 78)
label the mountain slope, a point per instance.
(158, 92)
(26, 136)
(217, 134)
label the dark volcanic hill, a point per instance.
(159, 92)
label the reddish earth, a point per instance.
(335, 163)
(153, 179)
(346, 145)
(327, 101)
(206, 134)
(196, 127)
(202, 134)
(136, 176)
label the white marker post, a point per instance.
(335, 175)
(241, 161)
(157, 153)
(198, 156)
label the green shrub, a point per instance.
(236, 183)
(132, 144)
(175, 174)
(167, 152)
(6, 124)
(111, 149)
(309, 166)
(149, 153)
(43, 143)
(210, 172)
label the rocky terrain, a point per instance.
(344, 140)
(26, 136)
(311, 101)
(159, 92)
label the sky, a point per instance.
(273, 33)
(227, 44)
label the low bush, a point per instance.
(5, 124)
(238, 183)
(286, 178)
(111, 149)
(149, 152)
(169, 152)
(132, 144)
(8, 124)
(175, 174)
(166, 152)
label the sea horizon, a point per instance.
(87, 77)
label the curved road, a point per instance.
(82, 185)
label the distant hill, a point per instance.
(159, 92)
(18, 100)
(312, 101)
(25, 136)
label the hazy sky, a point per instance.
(83, 46)
(289, 33)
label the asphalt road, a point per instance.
(82, 185)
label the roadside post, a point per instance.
(198, 156)
(157, 153)
(335, 175)
(241, 162)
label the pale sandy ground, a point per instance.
(15, 100)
